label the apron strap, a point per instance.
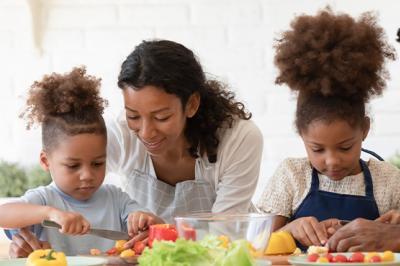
(369, 189)
(373, 154)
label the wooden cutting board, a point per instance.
(117, 260)
(278, 259)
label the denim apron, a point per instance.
(324, 205)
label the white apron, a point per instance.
(168, 201)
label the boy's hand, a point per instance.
(391, 217)
(140, 221)
(308, 231)
(72, 223)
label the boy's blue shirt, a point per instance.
(108, 208)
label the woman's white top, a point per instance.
(225, 186)
(291, 182)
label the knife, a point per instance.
(110, 234)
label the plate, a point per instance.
(72, 261)
(302, 261)
(263, 262)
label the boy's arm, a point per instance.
(18, 215)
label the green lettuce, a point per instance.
(206, 252)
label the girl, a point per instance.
(335, 63)
(74, 139)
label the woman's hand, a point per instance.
(365, 235)
(72, 223)
(391, 217)
(331, 226)
(308, 231)
(24, 242)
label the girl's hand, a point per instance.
(308, 231)
(72, 223)
(391, 217)
(331, 226)
(140, 221)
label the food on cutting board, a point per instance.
(281, 243)
(367, 257)
(46, 257)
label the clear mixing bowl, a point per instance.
(253, 227)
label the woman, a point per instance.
(184, 143)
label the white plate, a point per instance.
(72, 261)
(302, 261)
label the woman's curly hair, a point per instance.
(335, 62)
(175, 69)
(65, 104)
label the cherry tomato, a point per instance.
(330, 257)
(112, 251)
(375, 258)
(322, 260)
(162, 232)
(138, 247)
(312, 257)
(339, 258)
(356, 257)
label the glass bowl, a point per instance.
(253, 227)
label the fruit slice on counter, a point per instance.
(280, 242)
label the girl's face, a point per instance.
(158, 118)
(334, 148)
(77, 164)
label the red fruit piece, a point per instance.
(339, 258)
(356, 257)
(312, 257)
(112, 251)
(330, 257)
(138, 247)
(375, 259)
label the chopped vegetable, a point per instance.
(46, 257)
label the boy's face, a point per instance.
(77, 164)
(334, 148)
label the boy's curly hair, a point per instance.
(175, 69)
(65, 104)
(335, 62)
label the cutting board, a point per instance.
(278, 259)
(117, 260)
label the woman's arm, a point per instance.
(279, 222)
(239, 166)
(18, 215)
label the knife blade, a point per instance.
(109, 234)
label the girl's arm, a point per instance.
(18, 215)
(279, 222)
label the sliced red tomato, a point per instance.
(356, 257)
(339, 258)
(189, 233)
(313, 257)
(112, 251)
(162, 232)
(138, 247)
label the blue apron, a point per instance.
(324, 205)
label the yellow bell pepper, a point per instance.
(280, 242)
(46, 257)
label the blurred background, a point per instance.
(233, 40)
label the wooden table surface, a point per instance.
(276, 260)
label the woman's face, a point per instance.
(157, 118)
(334, 148)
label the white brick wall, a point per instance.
(233, 40)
